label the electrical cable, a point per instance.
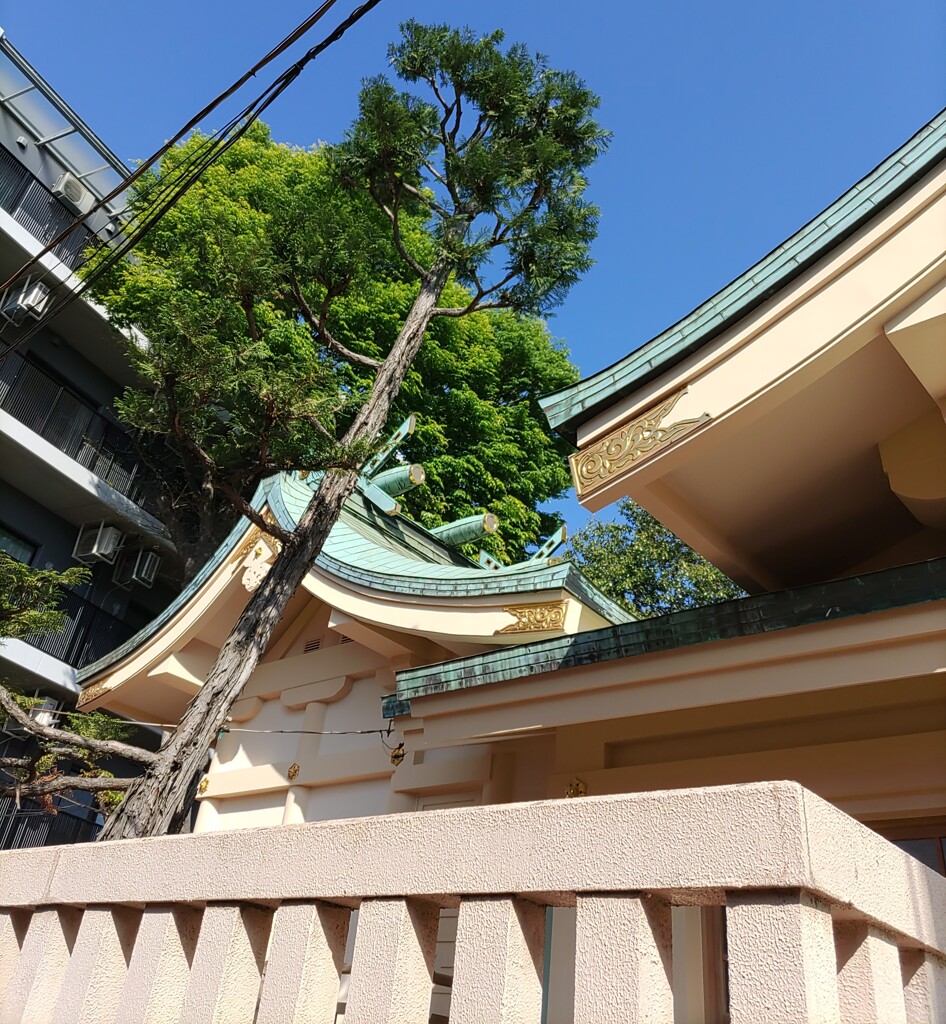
(280, 48)
(209, 151)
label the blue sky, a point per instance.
(734, 123)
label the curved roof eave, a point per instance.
(362, 561)
(571, 406)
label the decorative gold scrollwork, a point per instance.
(293, 772)
(535, 618)
(90, 693)
(626, 445)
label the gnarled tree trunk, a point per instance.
(158, 799)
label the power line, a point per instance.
(185, 175)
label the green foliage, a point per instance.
(29, 597)
(492, 156)
(640, 564)
(270, 293)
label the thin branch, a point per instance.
(111, 748)
(62, 784)
(459, 115)
(317, 325)
(431, 204)
(394, 218)
(434, 173)
(473, 307)
(221, 486)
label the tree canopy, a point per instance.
(639, 563)
(268, 295)
(478, 180)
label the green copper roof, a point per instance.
(389, 553)
(787, 609)
(569, 407)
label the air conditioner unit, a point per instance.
(43, 714)
(136, 567)
(70, 191)
(97, 543)
(32, 300)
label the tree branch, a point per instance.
(393, 217)
(63, 783)
(111, 748)
(474, 307)
(317, 325)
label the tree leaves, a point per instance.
(640, 564)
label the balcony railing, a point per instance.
(88, 634)
(34, 206)
(824, 921)
(69, 423)
(29, 825)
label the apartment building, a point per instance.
(72, 487)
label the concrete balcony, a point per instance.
(821, 920)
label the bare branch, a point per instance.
(317, 324)
(431, 204)
(62, 784)
(112, 748)
(394, 218)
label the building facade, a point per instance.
(66, 466)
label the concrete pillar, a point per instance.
(499, 960)
(207, 815)
(870, 983)
(924, 986)
(393, 962)
(13, 928)
(782, 967)
(297, 801)
(97, 969)
(225, 976)
(306, 954)
(623, 961)
(160, 966)
(34, 988)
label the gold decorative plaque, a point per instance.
(626, 445)
(576, 787)
(202, 785)
(293, 772)
(90, 693)
(535, 618)
(255, 536)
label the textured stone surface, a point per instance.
(497, 967)
(924, 987)
(393, 963)
(870, 985)
(224, 981)
(160, 966)
(623, 961)
(781, 960)
(33, 989)
(305, 959)
(98, 966)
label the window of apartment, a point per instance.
(16, 546)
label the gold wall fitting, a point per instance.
(621, 448)
(535, 618)
(202, 785)
(575, 788)
(293, 772)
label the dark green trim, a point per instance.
(569, 407)
(787, 609)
